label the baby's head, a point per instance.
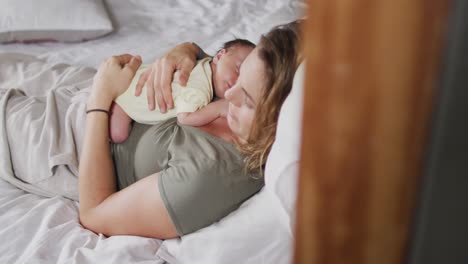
(226, 64)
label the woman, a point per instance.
(180, 195)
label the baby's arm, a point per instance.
(205, 114)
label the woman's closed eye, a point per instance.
(248, 103)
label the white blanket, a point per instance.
(47, 230)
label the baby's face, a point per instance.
(228, 63)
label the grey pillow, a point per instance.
(53, 20)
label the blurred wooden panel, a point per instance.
(372, 69)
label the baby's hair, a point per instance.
(237, 42)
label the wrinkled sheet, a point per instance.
(35, 229)
(42, 119)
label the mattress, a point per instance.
(34, 229)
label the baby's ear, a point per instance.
(218, 56)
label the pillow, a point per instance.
(52, 20)
(282, 165)
(260, 231)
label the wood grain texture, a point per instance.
(372, 70)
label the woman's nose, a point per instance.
(233, 95)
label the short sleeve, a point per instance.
(198, 193)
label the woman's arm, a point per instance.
(136, 210)
(96, 177)
(204, 115)
(159, 77)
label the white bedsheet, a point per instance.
(39, 230)
(149, 28)
(34, 229)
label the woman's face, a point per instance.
(245, 94)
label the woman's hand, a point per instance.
(113, 78)
(158, 78)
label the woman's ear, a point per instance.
(218, 56)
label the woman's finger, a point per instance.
(142, 80)
(160, 99)
(150, 90)
(149, 85)
(165, 84)
(157, 89)
(185, 70)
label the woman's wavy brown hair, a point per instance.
(279, 51)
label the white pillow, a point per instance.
(52, 20)
(283, 161)
(260, 231)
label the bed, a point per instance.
(36, 229)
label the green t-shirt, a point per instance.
(202, 177)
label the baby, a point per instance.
(193, 104)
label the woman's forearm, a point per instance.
(96, 182)
(96, 175)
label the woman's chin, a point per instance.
(230, 122)
(232, 125)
